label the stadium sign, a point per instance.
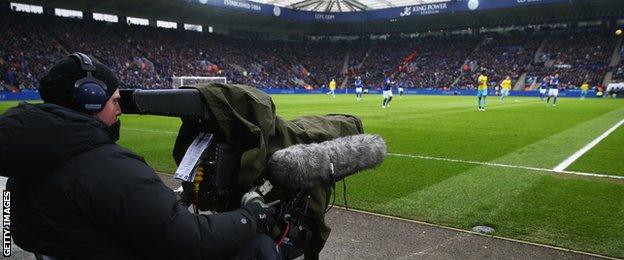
(250, 6)
(423, 9)
(379, 14)
(325, 16)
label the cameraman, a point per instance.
(77, 194)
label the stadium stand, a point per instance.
(618, 72)
(435, 62)
(578, 55)
(148, 57)
(106, 44)
(322, 60)
(26, 52)
(501, 55)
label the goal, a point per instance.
(185, 81)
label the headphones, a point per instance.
(89, 92)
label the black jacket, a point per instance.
(76, 194)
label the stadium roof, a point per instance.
(344, 5)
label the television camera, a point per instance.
(294, 177)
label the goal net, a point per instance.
(193, 81)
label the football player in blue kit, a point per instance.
(387, 91)
(553, 90)
(358, 88)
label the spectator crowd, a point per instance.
(150, 57)
(577, 55)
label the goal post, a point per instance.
(196, 80)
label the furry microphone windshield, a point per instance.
(304, 165)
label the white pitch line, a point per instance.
(563, 165)
(148, 130)
(465, 161)
(508, 166)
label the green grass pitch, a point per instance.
(576, 212)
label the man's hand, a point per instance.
(262, 213)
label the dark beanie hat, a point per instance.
(57, 86)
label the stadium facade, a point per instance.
(232, 16)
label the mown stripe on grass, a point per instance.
(480, 195)
(550, 151)
(428, 112)
(508, 199)
(469, 194)
(566, 213)
(563, 165)
(465, 195)
(464, 200)
(507, 166)
(607, 157)
(396, 178)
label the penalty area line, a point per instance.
(507, 166)
(567, 162)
